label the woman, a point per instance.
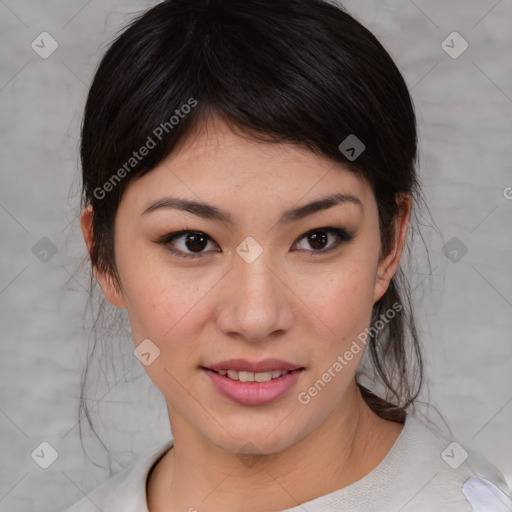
(248, 185)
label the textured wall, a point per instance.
(464, 108)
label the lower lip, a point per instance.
(253, 393)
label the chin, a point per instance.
(257, 439)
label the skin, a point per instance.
(289, 303)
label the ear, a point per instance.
(388, 265)
(113, 295)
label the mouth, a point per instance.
(258, 377)
(252, 388)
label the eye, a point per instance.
(319, 237)
(187, 240)
(180, 242)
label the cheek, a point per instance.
(166, 309)
(343, 303)
(341, 298)
(165, 302)
(163, 308)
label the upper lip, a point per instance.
(245, 365)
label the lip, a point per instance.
(253, 393)
(245, 365)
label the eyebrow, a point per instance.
(210, 212)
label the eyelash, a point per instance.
(342, 235)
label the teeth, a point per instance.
(252, 376)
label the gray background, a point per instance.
(464, 109)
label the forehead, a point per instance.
(215, 162)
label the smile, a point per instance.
(252, 376)
(253, 388)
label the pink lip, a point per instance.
(253, 393)
(245, 365)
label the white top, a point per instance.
(423, 472)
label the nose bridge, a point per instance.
(256, 305)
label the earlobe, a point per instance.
(112, 294)
(388, 265)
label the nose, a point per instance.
(256, 301)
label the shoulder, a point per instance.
(449, 476)
(125, 491)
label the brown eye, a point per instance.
(195, 242)
(318, 239)
(186, 244)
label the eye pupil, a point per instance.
(316, 241)
(196, 242)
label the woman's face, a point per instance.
(252, 285)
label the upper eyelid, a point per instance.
(182, 232)
(332, 229)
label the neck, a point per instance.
(349, 444)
